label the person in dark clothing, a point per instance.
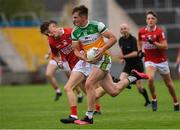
(132, 58)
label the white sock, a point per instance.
(58, 90)
(89, 114)
(154, 100)
(131, 79)
(176, 103)
(74, 116)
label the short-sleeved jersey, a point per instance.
(90, 35)
(152, 53)
(127, 46)
(63, 46)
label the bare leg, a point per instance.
(169, 83)
(111, 88)
(74, 79)
(50, 74)
(106, 83)
(100, 92)
(150, 70)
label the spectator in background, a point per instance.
(178, 62)
(154, 43)
(129, 55)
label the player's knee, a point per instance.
(49, 75)
(140, 90)
(67, 89)
(113, 94)
(169, 84)
(88, 85)
(151, 80)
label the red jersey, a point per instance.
(152, 53)
(63, 46)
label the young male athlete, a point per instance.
(51, 69)
(152, 40)
(89, 34)
(60, 44)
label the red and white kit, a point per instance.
(154, 56)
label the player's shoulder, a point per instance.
(96, 23)
(75, 29)
(132, 36)
(121, 39)
(51, 40)
(75, 33)
(142, 29)
(68, 30)
(159, 29)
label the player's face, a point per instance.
(54, 30)
(151, 20)
(79, 21)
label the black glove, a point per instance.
(150, 40)
(140, 54)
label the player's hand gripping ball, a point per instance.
(92, 53)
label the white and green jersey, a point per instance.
(90, 35)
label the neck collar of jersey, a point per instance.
(148, 29)
(85, 25)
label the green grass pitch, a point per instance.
(32, 107)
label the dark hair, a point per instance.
(151, 12)
(82, 10)
(44, 26)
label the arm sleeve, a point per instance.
(54, 50)
(162, 35)
(119, 43)
(134, 44)
(73, 37)
(101, 27)
(139, 36)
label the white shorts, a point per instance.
(64, 63)
(163, 67)
(179, 69)
(83, 67)
(105, 63)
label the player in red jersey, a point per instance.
(154, 43)
(51, 69)
(60, 44)
(50, 74)
(56, 51)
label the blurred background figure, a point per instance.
(62, 55)
(178, 62)
(51, 69)
(152, 40)
(132, 58)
